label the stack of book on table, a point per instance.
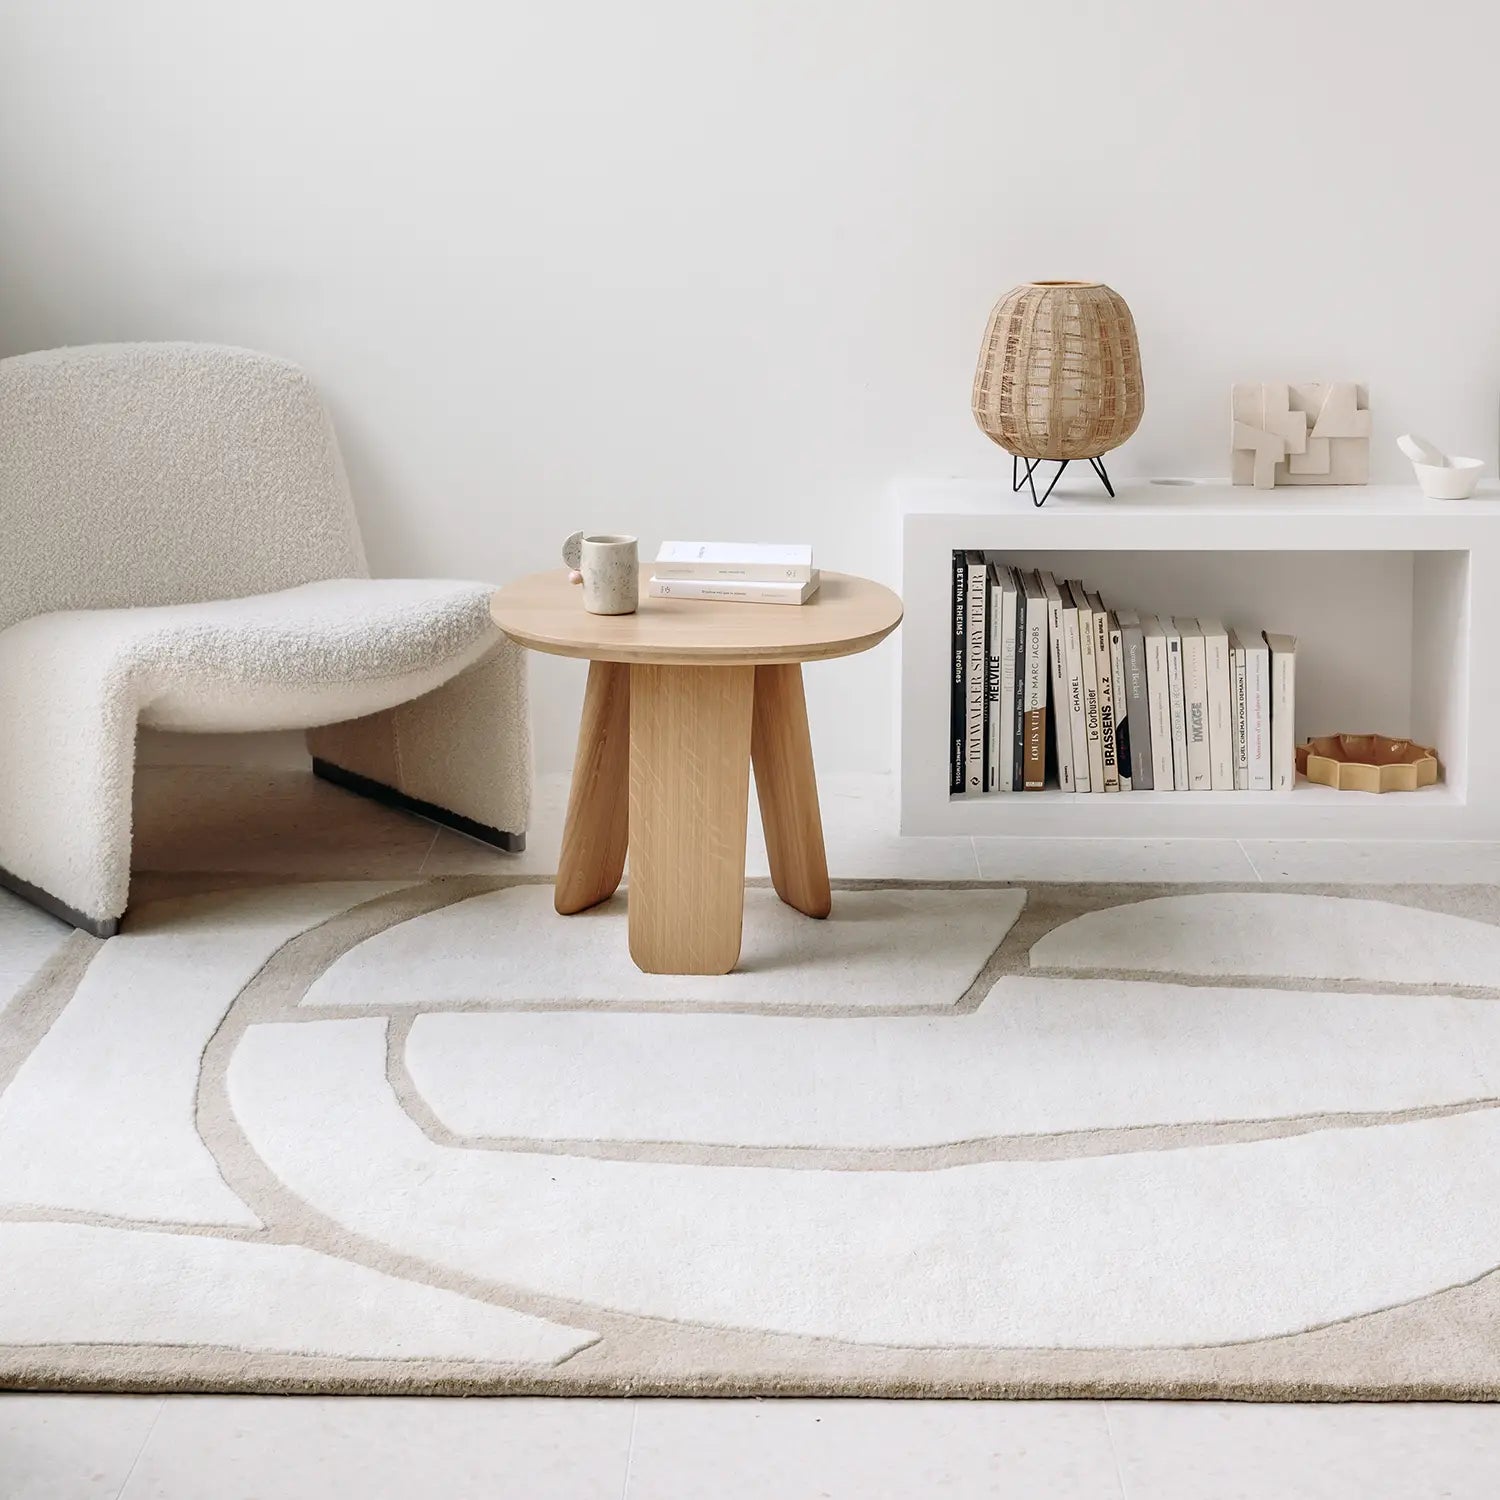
(1050, 685)
(741, 572)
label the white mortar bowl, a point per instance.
(1455, 480)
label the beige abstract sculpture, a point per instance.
(1317, 433)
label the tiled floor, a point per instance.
(281, 1448)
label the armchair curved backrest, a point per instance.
(172, 473)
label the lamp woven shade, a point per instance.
(1060, 371)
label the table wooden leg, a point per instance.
(595, 835)
(781, 750)
(689, 795)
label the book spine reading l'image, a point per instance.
(1137, 708)
(1179, 707)
(1057, 662)
(1194, 702)
(958, 701)
(1108, 755)
(974, 674)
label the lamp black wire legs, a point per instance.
(1017, 478)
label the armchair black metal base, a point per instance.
(378, 791)
(45, 901)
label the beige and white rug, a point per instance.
(957, 1140)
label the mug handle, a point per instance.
(572, 551)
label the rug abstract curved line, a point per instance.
(970, 1139)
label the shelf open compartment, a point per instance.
(1385, 616)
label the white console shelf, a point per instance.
(1395, 601)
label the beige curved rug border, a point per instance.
(1445, 1346)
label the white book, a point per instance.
(1107, 751)
(1057, 662)
(1090, 688)
(734, 593)
(992, 674)
(1178, 706)
(761, 561)
(974, 646)
(1283, 650)
(1077, 718)
(1237, 713)
(1117, 679)
(1009, 591)
(1258, 713)
(1034, 692)
(1159, 703)
(1220, 697)
(1195, 702)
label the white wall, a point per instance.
(720, 267)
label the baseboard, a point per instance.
(378, 791)
(45, 901)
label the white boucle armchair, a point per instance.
(178, 549)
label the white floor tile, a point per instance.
(1243, 1451)
(1112, 859)
(70, 1447)
(377, 1448)
(870, 1450)
(1374, 861)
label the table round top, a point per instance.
(846, 615)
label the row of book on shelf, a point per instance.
(1051, 685)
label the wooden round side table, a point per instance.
(682, 697)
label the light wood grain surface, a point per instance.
(689, 798)
(597, 831)
(846, 615)
(781, 752)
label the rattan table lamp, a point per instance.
(1059, 377)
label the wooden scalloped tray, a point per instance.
(1367, 763)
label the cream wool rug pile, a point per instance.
(1078, 1140)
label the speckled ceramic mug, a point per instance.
(611, 571)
